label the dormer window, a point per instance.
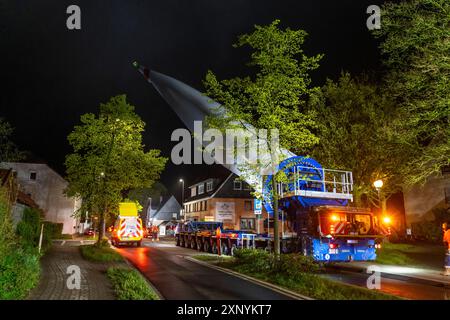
(201, 188)
(209, 186)
(237, 184)
(33, 175)
(193, 191)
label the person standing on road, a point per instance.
(446, 239)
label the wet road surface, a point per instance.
(178, 278)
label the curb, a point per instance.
(286, 292)
(401, 277)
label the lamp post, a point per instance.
(378, 184)
(182, 198)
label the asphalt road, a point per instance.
(178, 278)
(405, 289)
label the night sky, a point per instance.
(52, 75)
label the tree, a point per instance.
(415, 43)
(142, 194)
(354, 128)
(274, 97)
(108, 158)
(8, 150)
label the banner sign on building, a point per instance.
(224, 211)
(257, 206)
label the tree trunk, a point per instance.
(101, 233)
(276, 236)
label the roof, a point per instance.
(26, 200)
(167, 209)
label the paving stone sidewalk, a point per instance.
(95, 284)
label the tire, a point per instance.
(193, 244)
(224, 249)
(186, 242)
(206, 246)
(178, 241)
(214, 248)
(199, 245)
(233, 249)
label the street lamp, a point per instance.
(182, 198)
(378, 184)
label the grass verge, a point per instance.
(310, 284)
(99, 254)
(397, 254)
(128, 284)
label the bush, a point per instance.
(53, 230)
(7, 236)
(129, 285)
(257, 260)
(99, 254)
(19, 259)
(427, 230)
(293, 264)
(29, 228)
(19, 273)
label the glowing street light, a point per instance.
(378, 184)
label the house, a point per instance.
(420, 201)
(45, 187)
(164, 214)
(223, 198)
(18, 199)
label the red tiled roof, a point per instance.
(25, 199)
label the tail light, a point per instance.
(333, 245)
(378, 246)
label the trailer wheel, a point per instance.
(224, 248)
(233, 249)
(199, 245)
(193, 244)
(206, 246)
(214, 248)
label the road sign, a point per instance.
(257, 206)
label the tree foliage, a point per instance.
(354, 128)
(273, 96)
(415, 43)
(8, 150)
(108, 158)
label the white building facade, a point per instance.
(46, 187)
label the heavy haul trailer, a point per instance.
(203, 236)
(315, 207)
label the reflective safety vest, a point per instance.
(447, 238)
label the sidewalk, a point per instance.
(423, 275)
(52, 286)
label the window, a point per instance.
(193, 191)
(237, 184)
(247, 205)
(33, 175)
(246, 186)
(174, 215)
(209, 186)
(247, 224)
(201, 188)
